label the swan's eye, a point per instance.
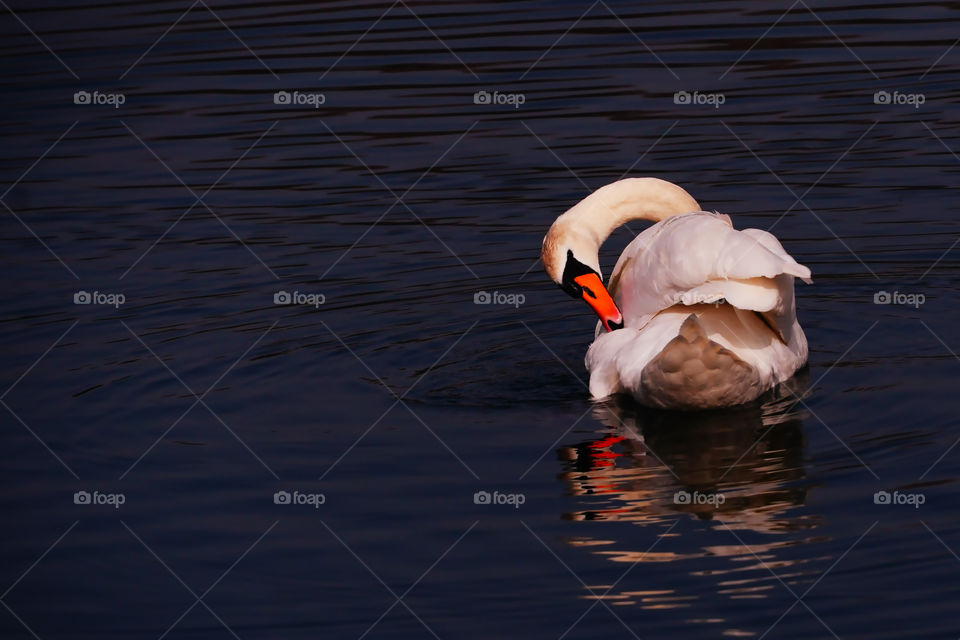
(572, 270)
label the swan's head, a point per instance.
(571, 246)
(570, 261)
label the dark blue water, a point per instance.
(385, 198)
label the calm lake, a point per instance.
(280, 360)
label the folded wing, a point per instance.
(700, 258)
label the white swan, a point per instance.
(697, 314)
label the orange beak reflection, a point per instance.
(597, 296)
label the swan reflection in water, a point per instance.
(738, 473)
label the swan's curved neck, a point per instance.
(585, 227)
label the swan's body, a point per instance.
(707, 312)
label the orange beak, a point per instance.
(597, 296)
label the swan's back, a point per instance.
(709, 316)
